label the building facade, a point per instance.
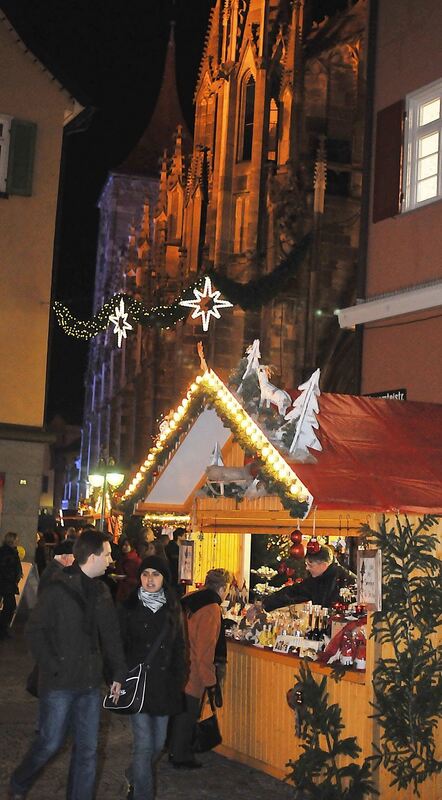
(400, 311)
(34, 109)
(277, 152)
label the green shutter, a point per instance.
(21, 157)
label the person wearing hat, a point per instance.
(207, 647)
(150, 612)
(63, 557)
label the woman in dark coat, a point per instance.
(10, 576)
(151, 610)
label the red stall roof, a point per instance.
(379, 455)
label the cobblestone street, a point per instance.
(218, 779)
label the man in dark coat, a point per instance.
(63, 557)
(72, 627)
(10, 575)
(322, 586)
(173, 553)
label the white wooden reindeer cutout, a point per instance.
(271, 393)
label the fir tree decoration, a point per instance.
(316, 774)
(304, 412)
(408, 683)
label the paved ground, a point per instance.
(219, 779)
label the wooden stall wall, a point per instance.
(256, 722)
(218, 550)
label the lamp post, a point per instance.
(106, 473)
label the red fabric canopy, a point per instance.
(378, 455)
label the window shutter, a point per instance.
(388, 161)
(21, 158)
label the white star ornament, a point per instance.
(119, 320)
(206, 313)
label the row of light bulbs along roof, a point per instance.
(268, 454)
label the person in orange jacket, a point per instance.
(206, 645)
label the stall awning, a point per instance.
(378, 455)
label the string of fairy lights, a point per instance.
(164, 316)
(204, 300)
(273, 467)
(172, 520)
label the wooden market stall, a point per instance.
(378, 456)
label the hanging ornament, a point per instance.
(296, 536)
(206, 303)
(282, 569)
(120, 323)
(297, 551)
(313, 546)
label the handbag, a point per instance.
(134, 686)
(207, 732)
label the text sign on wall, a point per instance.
(389, 394)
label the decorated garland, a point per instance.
(249, 296)
(408, 682)
(208, 390)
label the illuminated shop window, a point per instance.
(423, 150)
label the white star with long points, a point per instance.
(119, 320)
(205, 295)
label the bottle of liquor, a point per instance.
(317, 635)
(311, 627)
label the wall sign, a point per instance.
(185, 561)
(369, 579)
(389, 394)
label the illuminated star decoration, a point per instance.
(200, 304)
(119, 320)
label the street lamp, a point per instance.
(106, 473)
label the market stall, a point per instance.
(216, 461)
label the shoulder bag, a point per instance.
(207, 732)
(134, 686)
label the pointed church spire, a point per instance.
(145, 158)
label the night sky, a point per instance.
(109, 54)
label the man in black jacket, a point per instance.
(322, 586)
(72, 627)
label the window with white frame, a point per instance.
(423, 147)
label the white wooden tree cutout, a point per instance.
(253, 356)
(304, 411)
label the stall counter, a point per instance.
(257, 724)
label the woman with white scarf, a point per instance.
(152, 611)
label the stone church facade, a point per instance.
(277, 152)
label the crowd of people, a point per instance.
(100, 610)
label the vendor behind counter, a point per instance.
(322, 586)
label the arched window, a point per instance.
(247, 113)
(273, 131)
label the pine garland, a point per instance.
(316, 774)
(408, 685)
(254, 294)
(251, 295)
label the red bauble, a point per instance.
(296, 536)
(313, 545)
(297, 551)
(282, 569)
(289, 582)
